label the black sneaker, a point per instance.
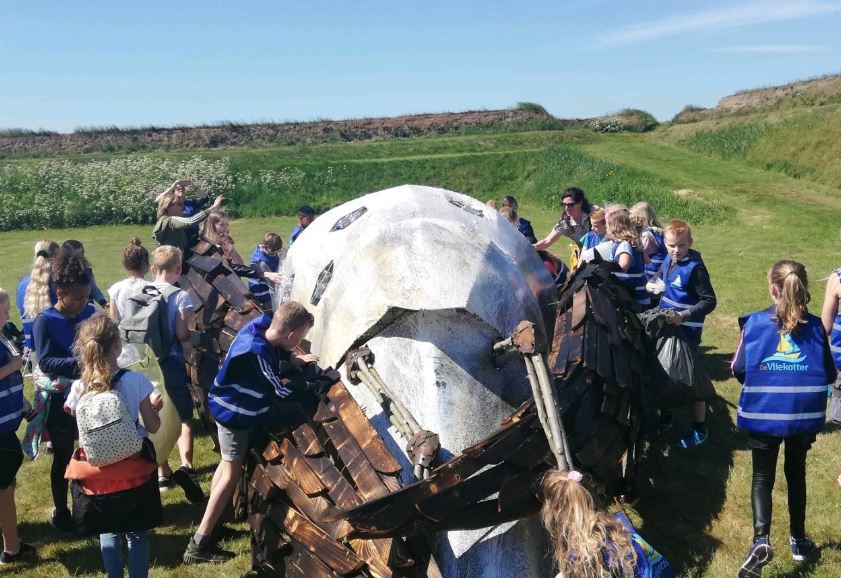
(802, 549)
(189, 482)
(25, 552)
(62, 520)
(759, 555)
(212, 554)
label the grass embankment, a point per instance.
(801, 143)
(694, 506)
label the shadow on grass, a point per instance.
(808, 567)
(682, 491)
(716, 364)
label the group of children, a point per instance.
(784, 359)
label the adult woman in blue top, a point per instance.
(54, 331)
(785, 364)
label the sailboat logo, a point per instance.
(787, 351)
(677, 283)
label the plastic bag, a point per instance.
(680, 359)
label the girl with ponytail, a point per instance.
(785, 363)
(33, 293)
(136, 264)
(97, 348)
(587, 541)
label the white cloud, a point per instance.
(723, 18)
(768, 49)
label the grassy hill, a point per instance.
(723, 174)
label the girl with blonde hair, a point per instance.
(97, 348)
(172, 228)
(216, 229)
(622, 246)
(651, 237)
(785, 364)
(587, 541)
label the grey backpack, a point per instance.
(145, 320)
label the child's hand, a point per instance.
(157, 400)
(676, 319)
(273, 277)
(304, 359)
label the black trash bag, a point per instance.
(680, 359)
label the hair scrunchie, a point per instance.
(575, 476)
(43, 254)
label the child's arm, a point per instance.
(113, 312)
(182, 333)
(151, 419)
(96, 292)
(830, 303)
(737, 366)
(51, 358)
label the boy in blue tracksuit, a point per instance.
(690, 293)
(262, 382)
(266, 258)
(785, 363)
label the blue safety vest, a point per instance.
(835, 334)
(650, 563)
(11, 395)
(676, 295)
(634, 277)
(786, 380)
(261, 290)
(655, 260)
(238, 399)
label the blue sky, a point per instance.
(70, 64)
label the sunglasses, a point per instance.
(569, 204)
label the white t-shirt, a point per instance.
(122, 290)
(605, 249)
(134, 386)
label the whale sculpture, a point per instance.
(428, 280)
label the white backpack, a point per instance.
(106, 431)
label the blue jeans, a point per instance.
(138, 554)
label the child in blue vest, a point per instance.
(266, 258)
(651, 235)
(33, 293)
(12, 407)
(689, 292)
(622, 246)
(54, 331)
(597, 232)
(587, 540)
(262, 382)
(785, 364)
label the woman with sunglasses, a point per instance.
(574, 222)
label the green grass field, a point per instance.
(694, 506)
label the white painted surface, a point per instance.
(429, 287)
